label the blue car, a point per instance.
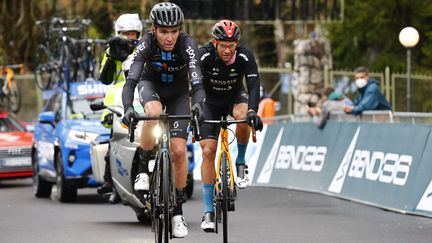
(62, 136)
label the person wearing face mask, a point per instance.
(369, 95)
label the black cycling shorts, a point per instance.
(215, 107)
(176, 102)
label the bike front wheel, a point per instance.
(166, 175)
(162, 217)
(225, 199)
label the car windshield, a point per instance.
(8, 124)
(80, 109)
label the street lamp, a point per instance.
(409, 37)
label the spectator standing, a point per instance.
(369, 95)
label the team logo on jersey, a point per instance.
(176, 124)
(244, 57)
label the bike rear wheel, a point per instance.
(45, 71)
(68, 66)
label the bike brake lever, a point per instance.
(197, 135)
(131, 130)
(253, 132)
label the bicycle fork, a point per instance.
(229, 167)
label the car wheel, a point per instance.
(189, 185)
(41, 187)
(65, 193)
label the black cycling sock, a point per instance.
(181, 198)
(145, 156)
(178, 209)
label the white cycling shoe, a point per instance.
(242, 179)
(208, 224)
(179, 226)
(242, 183)
(142, 182)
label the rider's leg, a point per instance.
(209, 147)
(208, 173)
(242, 135)
(178, 152)
(180, 167)
(242, 131)
(152, 108)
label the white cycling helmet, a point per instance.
(128, 22)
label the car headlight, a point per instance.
(83, 137)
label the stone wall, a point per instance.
(310, 57)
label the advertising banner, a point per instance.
(388, 165)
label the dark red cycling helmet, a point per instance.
(226, 30)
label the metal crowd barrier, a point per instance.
(366, 116)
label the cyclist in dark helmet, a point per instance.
(224, 64)
(164, 65)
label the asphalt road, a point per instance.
(262, 215)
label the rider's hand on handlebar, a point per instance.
(198, 111)
(119, 48)
(129, 113)
(254, 120)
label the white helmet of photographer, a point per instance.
(128, 22)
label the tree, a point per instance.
(20, 36)
(369, 34)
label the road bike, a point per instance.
(225, 192)
(10, 95)
(88, 64)
(161, 196)
(56, 62)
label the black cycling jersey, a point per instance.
(221, 80)
(168, 69)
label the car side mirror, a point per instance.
(47, 117)
(97, 105)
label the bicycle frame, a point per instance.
(224, 149)
(162, 195)
(225, 195)
(60, 65)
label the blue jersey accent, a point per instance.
(166, 56)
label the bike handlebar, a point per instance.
(164, 117)
(226, 123)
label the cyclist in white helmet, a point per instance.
(114, 68)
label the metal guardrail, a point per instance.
(366, 116)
